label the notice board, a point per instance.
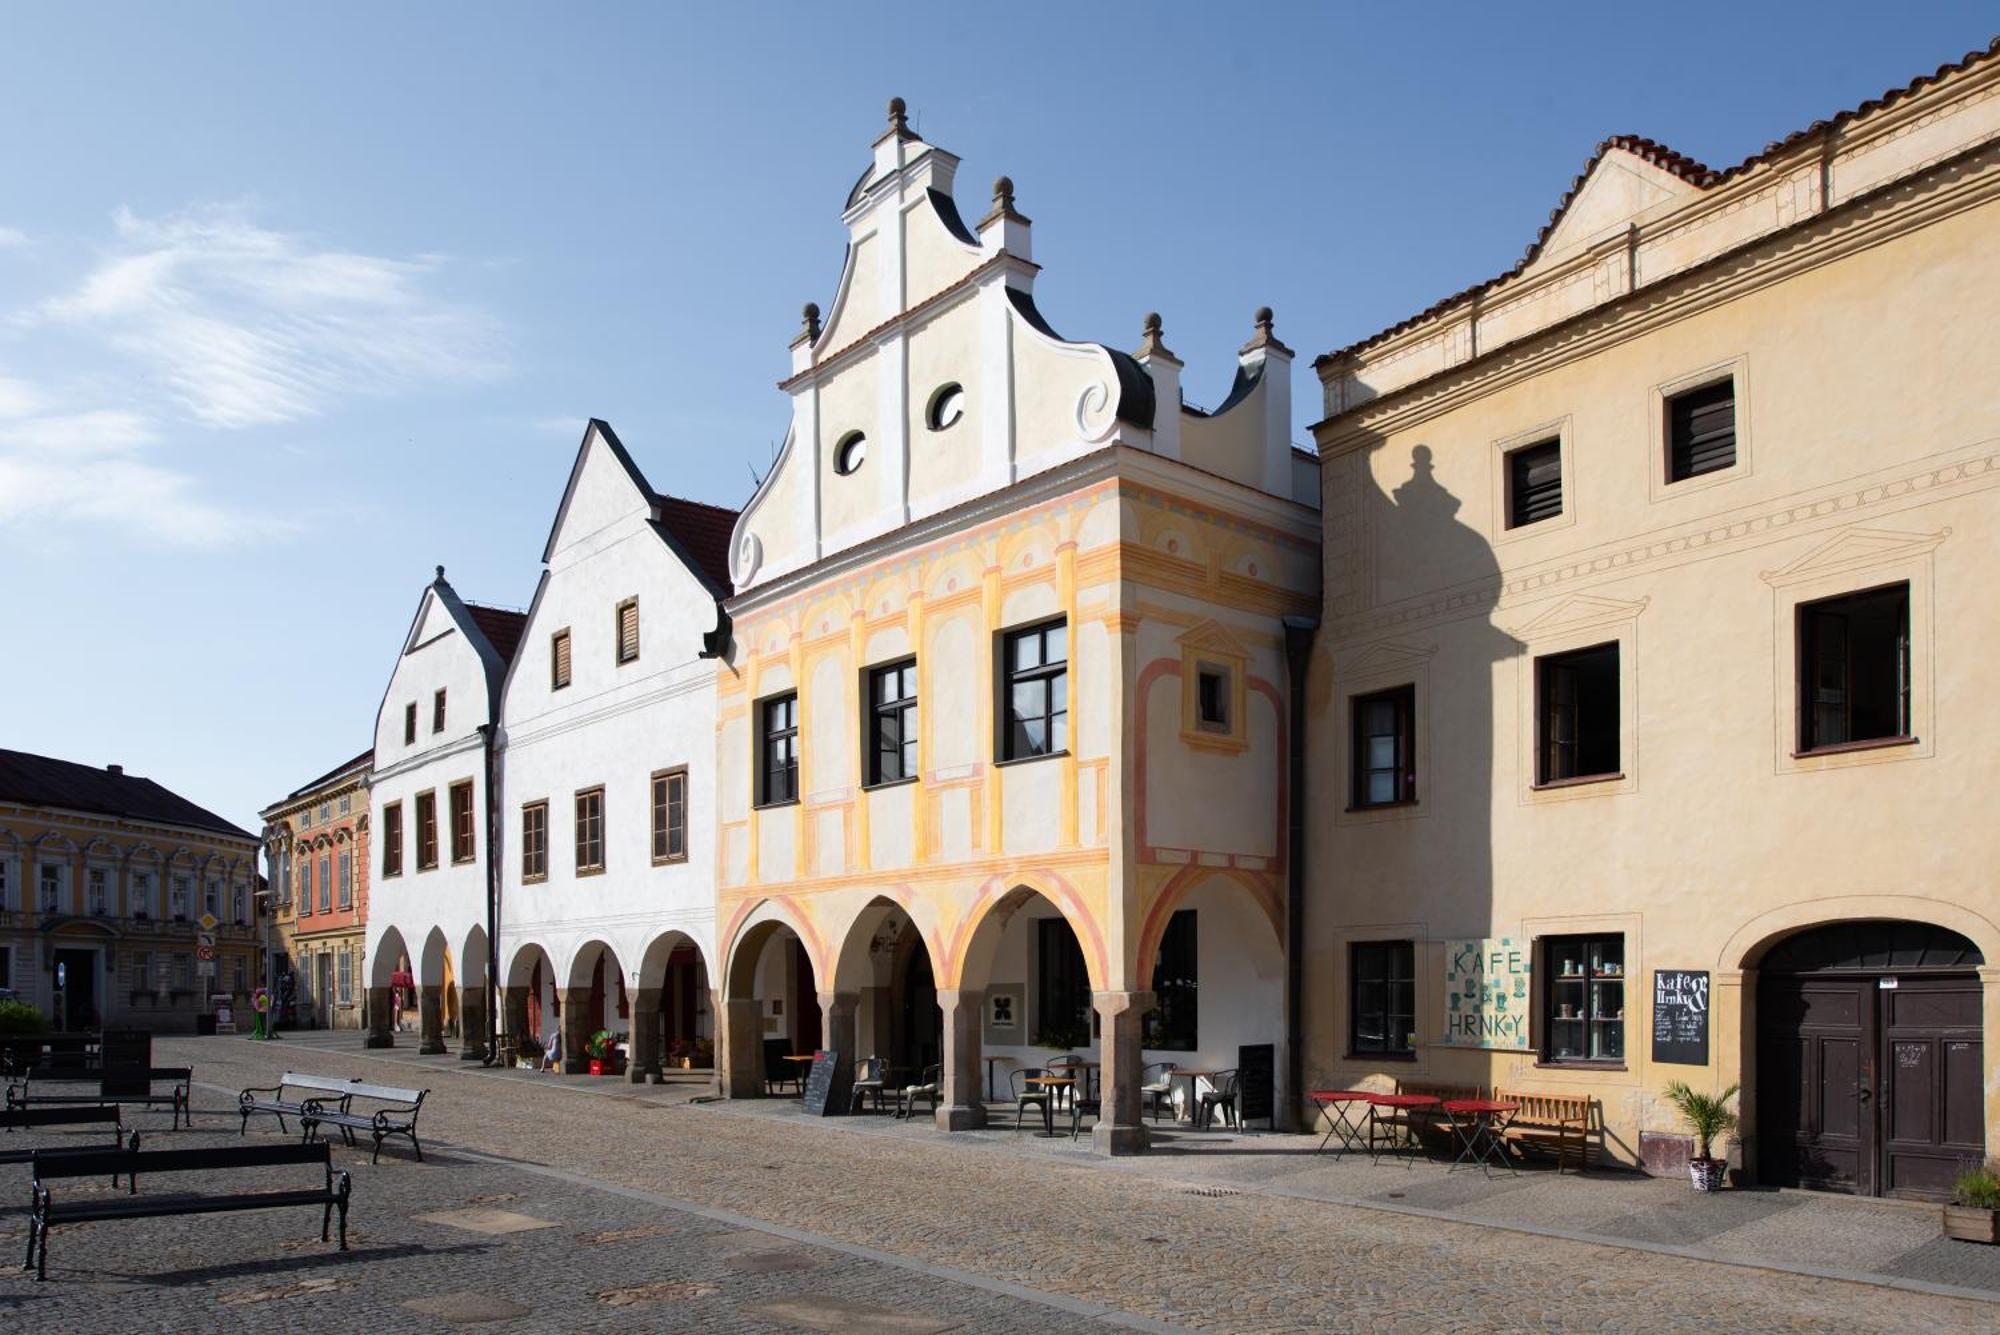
(828, 1085)
(1680, 1016)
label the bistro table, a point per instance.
(804, 1060)
(1191, 1074)
(992, 1097)
(1336, 1104)
(1480, 1126)
(1051, 1083)
(1405, 1104)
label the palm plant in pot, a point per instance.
(1708, 1116)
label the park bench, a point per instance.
(1561, 1121)
(19, 1119)
(271, 1099)
(1429, 1127)
(395, 1115)
(60, 1085)
(46, 1212)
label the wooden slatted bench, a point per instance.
(45, 1211)
(96, 1114)
(326, 1089)
(396, 1115)
(1561, 1121)
(1429, 1125)
(59, 1085)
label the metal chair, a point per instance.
(869, 1079)
(778, 1071)
(927, 1087)
(1026, 1094)
(1156, 1084)
(1221, 1095)
(1072, 1066)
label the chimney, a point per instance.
(118, 770)
(1165, 370)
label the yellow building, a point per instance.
(1652, 725)
(122, 905)
(1002, 732)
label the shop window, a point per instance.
(1062, 986)
(1854, 664)
(1382, 1016)
(1583, 1016)
(1578, 714)
(1172, 1023)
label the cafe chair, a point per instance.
(1025, 1094)
(926, 1088)
(1222, 1095)
(778, 1071)
(1073, 1067)
(870, 1075)
(1156, 1085)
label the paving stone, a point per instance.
(468, 1308)
(484, 1219)
(840, 1316)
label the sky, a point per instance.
(298, 302)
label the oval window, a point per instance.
(947, 406)
(847, 455)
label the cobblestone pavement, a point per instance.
(1188, 1239)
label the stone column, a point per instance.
(837, 1015)
(381, 1029)
(645, 1028)
(881, 1032)
(430, 1019)
(514, 1015)
(962, 1106)
(576, 1029)
(715, 1027)
(739, 1052)
(471, 1023)
(1121, 1124)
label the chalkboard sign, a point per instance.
(1256, 1082)
(127, 1056)
(828, 1085)
(1680, 1016)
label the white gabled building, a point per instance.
(434, 765)
(607, 725)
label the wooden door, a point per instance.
(1931, 1111)
(1815, 1083)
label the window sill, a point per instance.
(1410, 1056)
(674, 861)
(598, 870)
(465, 861)
(1847, 748)
(774, 806)
(1364, 807)
(1029, 760)
(1542, 1064)
(392, 875)
(1581, 780)
(535, 880)
(880, 784)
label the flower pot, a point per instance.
(1972, 1223)
(1706, 1174)
(597, 1066)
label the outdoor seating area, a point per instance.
(1461, 1123)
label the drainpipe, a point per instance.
(486, 731)
(1298, 649)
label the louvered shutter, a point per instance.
(628, 631)
(559, 673)
(1534, 483)
(1703, 426)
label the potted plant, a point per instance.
(1708, 1116)
(1974, 1212)
(527, 1053)
(598, 1049)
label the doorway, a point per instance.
(323, 999)
(920, 1031)
(1870, 1059)
(78, 971)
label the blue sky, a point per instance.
(298, 302)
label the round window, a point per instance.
(947, 406)
(847, 455)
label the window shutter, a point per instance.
(628, 631)
(1536, 483)
(1703, 423)
(561, 651)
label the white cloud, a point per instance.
(248, 326)
(13, 238)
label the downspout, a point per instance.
(1298, 650)
(486, 731)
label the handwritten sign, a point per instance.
(828, 1085)
(1680, 1016)
(1486, 993)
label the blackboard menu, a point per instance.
(1680, 1016)
(127, 1056)
(1256, 1079)
(828, 1085)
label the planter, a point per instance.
(1972, 1223)
(1707, 1174)
(597, 1065)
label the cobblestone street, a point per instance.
(626, 1207)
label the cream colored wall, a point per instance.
(1869, 453)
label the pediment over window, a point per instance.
(1580, 611)
(1853, 549)
(1211, 637)
(1382, 657)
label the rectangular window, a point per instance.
(183, 972)
(1036, 706)
(1062, 986)
(345, 963)
(392, 839)
(437, 711)
(142, 971)
(347, 805)
(326, 883)
(211, 899)
(1382, 1015)
(559, 659)
(1854, 668)
(346, 879)
(462, 847)
(50, 899)
(1578, 714)
(778, 750)
(305, 888)
(179, 890)
(142, 892)
(628, 631)
(427, 831)
(1584, 1016)
(1701, 430)
(325, 812)
(239, 908)
(1534, 483)
(409, 727)
(239, 976)
(1171, 1024)
(97, 894)
(892, 722)
(590, 830)
(1384, 743)
(670, 816)
(6, 890)
(1211, 698)
(535, 841)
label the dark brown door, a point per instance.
(1931, 1115)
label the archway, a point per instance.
(473, 1000)
(595, 1001)
(673, 1026)
(1869, 1070)
(532, 1006)
(434, 981)
(771, 1006)
(391, 958)
(886, 969)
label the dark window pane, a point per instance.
(1534, 484)
(1579, 714)
(1854, 657)
(1701, 426)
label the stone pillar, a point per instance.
(962, 1105)
(381, 1028)
(880, 1035)
(739, 1053)
(645, 1028)
(837, 1014)
(514, 1016)
(430, 1019)
(471, 1024)
(715, 1081)
(1121, 1124)
(576, 1029)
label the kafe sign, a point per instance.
(1486, 993)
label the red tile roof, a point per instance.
(501, 628)
(45, 781)
(703, 531)
(1679, 164)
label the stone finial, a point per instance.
(1262, 338)
(1003, 202)
(440, 574)
(899, 115)
(1150, 344)
(808, 323)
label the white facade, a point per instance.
(613, 929)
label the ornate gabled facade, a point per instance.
(1651, 722)
(1003, 725)
(316, 849)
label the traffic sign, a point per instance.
(209, 922)
(204, 952)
